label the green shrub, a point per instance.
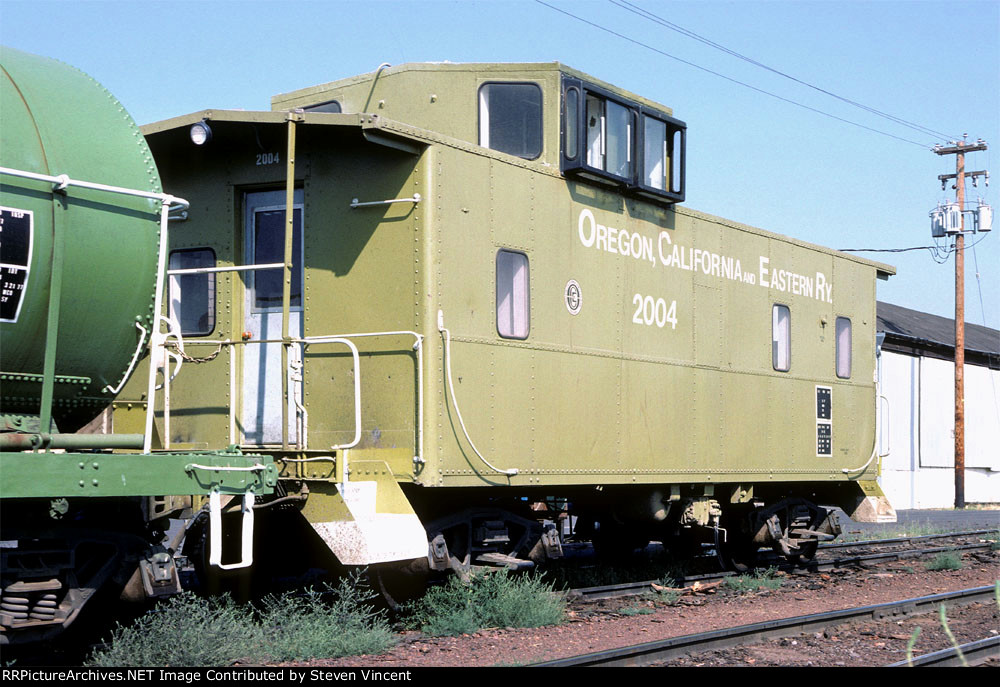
(945, 561)
(669, 596)
(185, 630)
(635, 610)
(490, 599)
(760, 579)
(330, 624)
(188, 630)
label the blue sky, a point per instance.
(751, 157)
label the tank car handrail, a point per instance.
(157, 338)
(63, 181)
(257, 467)
(131, 366)
(169, 203)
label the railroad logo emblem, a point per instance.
(574, 298)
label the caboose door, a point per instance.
(264, 238)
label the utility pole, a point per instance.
(959, 149)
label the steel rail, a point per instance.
(890, 556)
(902, 540)
(665, 649)
(612, 591)
(975, 653)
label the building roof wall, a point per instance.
(919, 333)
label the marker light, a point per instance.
(201, 133)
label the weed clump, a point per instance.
(760, 579)
(187, 630)
(945, 561)
(669, 597)
(635, 609)
(330, 624)
(492, 599)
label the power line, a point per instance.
(982, 307)
(728, 78)
(938, 253)
(646, 14)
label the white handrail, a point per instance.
(234, 268)
(510, 472)
(135, 357)
(875, 439)
(418, 346)
(63, 181)
(355, 203)
(357, 386)
(157, 337)
(215, 531)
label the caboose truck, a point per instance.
(83, 224)
(442, 295)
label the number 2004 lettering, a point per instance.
(649, 311)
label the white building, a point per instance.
(917, 375)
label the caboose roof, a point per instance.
(507, 70)
(385, 131)
(374, 128)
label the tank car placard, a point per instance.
(16, 234)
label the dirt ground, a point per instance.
(616, 623)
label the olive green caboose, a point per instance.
(458, 302)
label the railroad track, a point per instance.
(816, 565)
(902, 540)
(655, 652)
(974, 653)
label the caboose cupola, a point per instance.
(609, 139)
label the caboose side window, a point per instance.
(329, 106)
(781, 338)
(192, 296)
(609, 136)
(510, 118)
(654, 153)
(843, 347)
(571, 123)
(513, 302)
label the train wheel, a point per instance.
(805, 554)
(398, 583)
(734, 539)
(738, 555)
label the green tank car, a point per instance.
(463, 310)
(82, 213)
